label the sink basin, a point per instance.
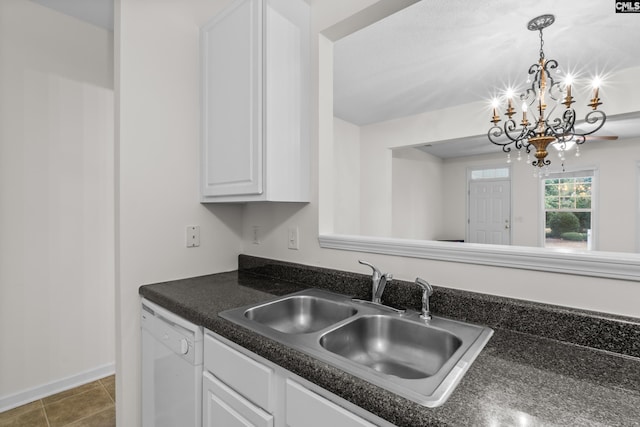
(399, 351)
(393, 346)
(300, 314)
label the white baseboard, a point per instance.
(35, 393)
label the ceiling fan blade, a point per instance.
(601, 138)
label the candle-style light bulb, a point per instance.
(496, 118)
(568, 99)
(596, 92)
(525, 122)
(510, 110)
(509, 94)
(568, 80)
(596, 86)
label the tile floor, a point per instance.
(90, 405)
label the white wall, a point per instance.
(618, 192)
(346, 176)
(377, 141)
(576, 291)
(56, 202)
(417, 195)
(157, 90)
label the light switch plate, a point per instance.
(293, 240)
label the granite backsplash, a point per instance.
(602, 331)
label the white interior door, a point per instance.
(490, 212)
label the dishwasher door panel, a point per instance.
(171, 382)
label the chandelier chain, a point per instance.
(541, 45)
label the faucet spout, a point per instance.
(384, 279)
(378, 281)
(376, 272)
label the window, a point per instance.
(568, 210)
(489, 173)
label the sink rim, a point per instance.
(430, 391)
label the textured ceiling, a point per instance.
(441, 53)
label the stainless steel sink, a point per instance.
(421, 361)
(393, 346)
(300, 314)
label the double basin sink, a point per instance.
(420, 360)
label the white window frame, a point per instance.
(595, 184)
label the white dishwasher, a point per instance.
(171, 369)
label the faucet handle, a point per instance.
(376, 272)
(424, 285)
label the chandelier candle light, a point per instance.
(545, 127)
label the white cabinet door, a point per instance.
(223, 407)
(248, 377)
(255, 103)
(305, 408)
(231, 49)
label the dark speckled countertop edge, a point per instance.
(201, 299)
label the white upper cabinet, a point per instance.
(255, 103)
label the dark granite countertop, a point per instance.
(519, 379)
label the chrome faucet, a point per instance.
(379, 281)
(427, 291)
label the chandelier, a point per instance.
(546, 124)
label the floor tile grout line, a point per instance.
(46, 417)
(88, 416)
(93, 413)
(105, 387)
(66, 397)
(75, 395)
(107, 391)
(20, 414)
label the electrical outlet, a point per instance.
(193, 236)
(293, 241)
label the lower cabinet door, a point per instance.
(223, 407)
(308, 409)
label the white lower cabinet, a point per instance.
(223, 407)
(307, 409)
(242, 389)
